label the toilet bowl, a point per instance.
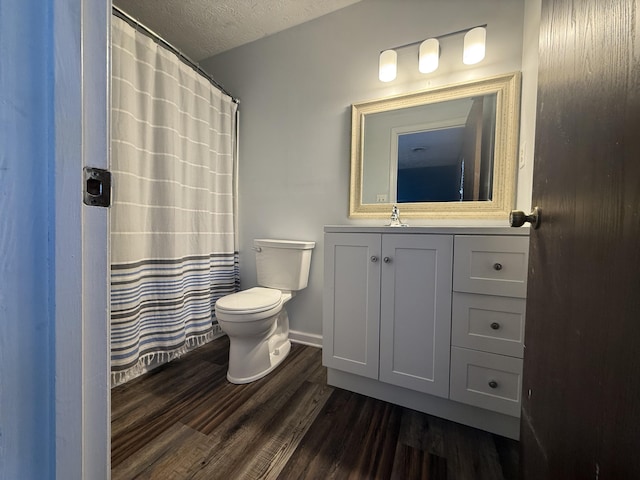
(256, 320)
(258, 330)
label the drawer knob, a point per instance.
(386, 260)
(493, 384)
(374, 259)
(495, 325)
(497, 266)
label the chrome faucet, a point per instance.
(395, 218)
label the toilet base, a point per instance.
(253, 357)
(275, 358)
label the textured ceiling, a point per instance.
(202, 28)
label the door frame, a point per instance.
(81, 39)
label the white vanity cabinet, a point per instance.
(428, 318)
(387, 308)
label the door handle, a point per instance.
(517, 218)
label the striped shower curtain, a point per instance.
(173, 240)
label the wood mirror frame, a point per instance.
(507, 90)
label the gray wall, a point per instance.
(296, 89)
(27, 433)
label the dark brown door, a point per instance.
(581, 387)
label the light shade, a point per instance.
(429, 55)
(388, 65)
(474, 46)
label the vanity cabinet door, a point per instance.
(351, 303)
(415, 316)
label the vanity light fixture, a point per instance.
(429, 52)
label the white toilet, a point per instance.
(255, 319)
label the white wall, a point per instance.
(531, 36)
(296, 89)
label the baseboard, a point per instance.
(304, 338)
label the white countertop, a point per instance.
(443, 230)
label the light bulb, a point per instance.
(388, 66)
(474, 46)
(429, 55)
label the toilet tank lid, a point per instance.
(273, 243)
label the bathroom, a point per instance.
(296, 88)
(295, 118)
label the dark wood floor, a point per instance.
(185, 421)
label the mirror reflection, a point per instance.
(446, 159)
(445, 152)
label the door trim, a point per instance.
(82, 389)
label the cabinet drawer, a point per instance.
(488, 323)
(491, 265)
(486, 380)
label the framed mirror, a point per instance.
(447, 152)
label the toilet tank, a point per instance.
(283, 264)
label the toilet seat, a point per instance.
(249, 305)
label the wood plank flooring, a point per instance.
(185, 421)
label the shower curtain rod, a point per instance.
(157, 38)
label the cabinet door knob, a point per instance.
(497, 266)
(374, 259)
(495, 325)
(493, 384)
(386, 259)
